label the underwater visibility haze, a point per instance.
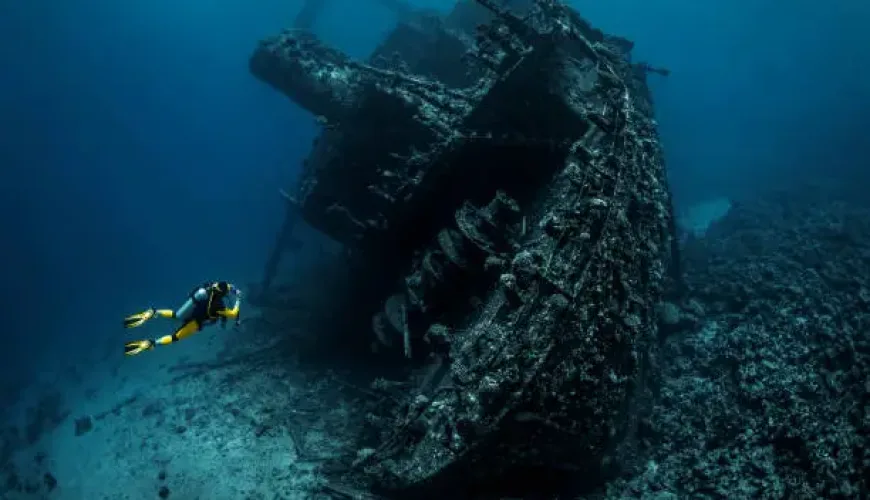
(319, 203)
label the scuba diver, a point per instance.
(204, 306)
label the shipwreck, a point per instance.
(497, 182)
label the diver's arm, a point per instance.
(232, 313)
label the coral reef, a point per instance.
(764, 387)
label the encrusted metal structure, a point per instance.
(502, 195)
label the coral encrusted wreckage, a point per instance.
(496, 179)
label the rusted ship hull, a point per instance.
(515, 227)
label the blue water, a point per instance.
(139, 157)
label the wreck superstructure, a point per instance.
(501, 192)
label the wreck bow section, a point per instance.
(514, 228)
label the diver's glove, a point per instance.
(138, 346)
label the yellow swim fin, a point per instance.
(138, 319)
(137, 346)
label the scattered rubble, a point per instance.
(764, 392)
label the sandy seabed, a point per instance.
(164, 427)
